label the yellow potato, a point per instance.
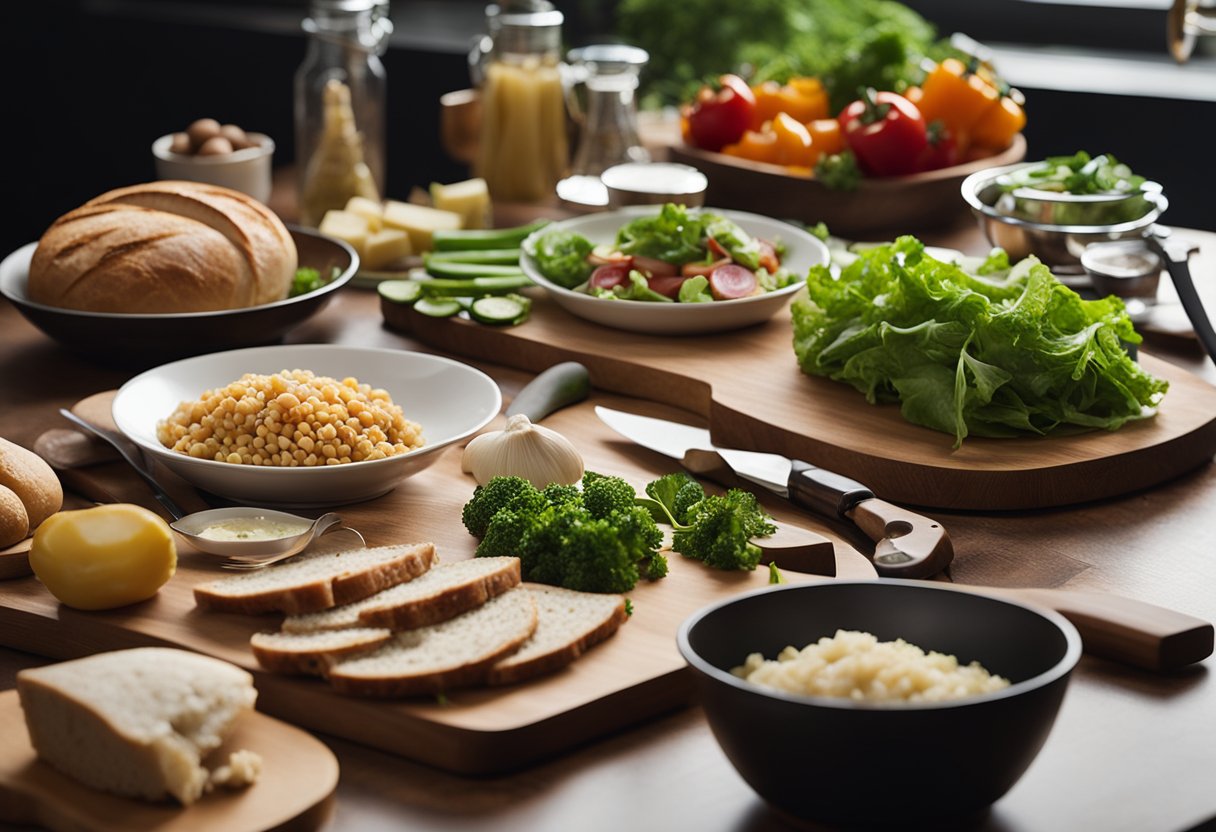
(104, 557)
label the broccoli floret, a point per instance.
(559, 539)
(557, 494)
(603, 495)
(497, 494)
(711, 528)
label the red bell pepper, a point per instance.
(886, 133)
(720, 117)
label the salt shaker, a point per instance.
(340, 105)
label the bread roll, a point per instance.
(33, 482)
(164, 247)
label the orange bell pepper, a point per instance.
(793, 141)
(803, 98)
(997, 126)
(956, 97)
(755, 146)
(826, 138)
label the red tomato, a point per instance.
(653, 266)
(769, 261)
(668, 284)
(732, 281)
(886, 133)
(942, 150)
(715, 248)
(719, 118)
(609, 276)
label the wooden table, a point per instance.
(1130, 751)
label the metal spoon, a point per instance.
(239, 553)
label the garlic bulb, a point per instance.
(522, 449)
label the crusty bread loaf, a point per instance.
(317, 581)
(164, 247)
(26, 477)
(442, 593)
(442, 656)
(313, 653)
(134, 722)
(568, 624)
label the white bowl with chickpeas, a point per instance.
(304, 425)
(217, 154)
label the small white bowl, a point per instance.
(247, 170)
(450, 400)
(802, 252)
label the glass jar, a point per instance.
(340, 105)
(524, 149)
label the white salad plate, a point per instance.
(802, 251)
(450, 400)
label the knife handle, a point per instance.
(907, 545)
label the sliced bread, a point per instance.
(442, 593)
(134, 722)
(312, 653)
(452, 654)
(312, 582)
(568, 624)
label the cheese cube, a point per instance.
(369, 209)
(348, 227)
(419, 221)
(386, 246)
(470, 199)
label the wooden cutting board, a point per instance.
(748, 385)
(634, 675)
(293, 792)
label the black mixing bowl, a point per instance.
(840, 761)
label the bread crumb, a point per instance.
(241, 771)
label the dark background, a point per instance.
(91, 83)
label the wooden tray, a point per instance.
(634, 675)
(748, 385)
(922, 200)
(293, 792)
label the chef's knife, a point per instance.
(907, 545)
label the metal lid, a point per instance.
(528, 32)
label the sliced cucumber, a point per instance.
(497, 256)
(443, 268)
(474, 286)
(471, 239)
(400, 291)
(438, 307)
(501, 311)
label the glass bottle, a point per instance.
(524, 148)
(340, 105)
(607, 117)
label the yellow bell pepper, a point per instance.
(793, 141)
(755, 146)
(826, 138)
(803, 98)
(997, 126)
(956, 97)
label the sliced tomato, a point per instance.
(609, 276)
(654, 266)
(769, 261)
(694, 269)
(668, 285)
(732, 281)
(716, 248)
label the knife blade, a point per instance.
(907, 545)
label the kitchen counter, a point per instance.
(1129, 751)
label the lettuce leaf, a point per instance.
(972, 355)
(675, 235)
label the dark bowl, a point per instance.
(143, 340)
(838, 761)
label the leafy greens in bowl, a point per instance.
(1008, 351)
(671, 270)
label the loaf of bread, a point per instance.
(135, 722)
(164, 247)
(317, 581)
(29, 492)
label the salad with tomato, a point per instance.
(680, 255)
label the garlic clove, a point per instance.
(521, 449)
